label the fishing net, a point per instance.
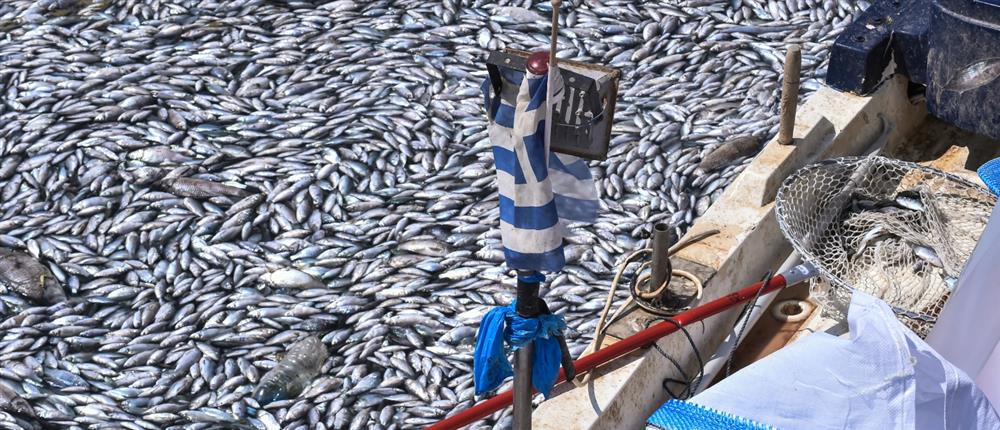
(893, 229)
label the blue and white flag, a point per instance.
(540, 191)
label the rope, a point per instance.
(599, 330)
(644, 279)
(688, 383)
(598, 336)
(744, 319)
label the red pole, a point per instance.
(639, 340)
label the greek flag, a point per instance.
(540, 191)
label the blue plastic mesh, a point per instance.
(681, 415)
(990, 174)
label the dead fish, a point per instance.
(159, 155)
(292, 278)
(9, 165)
(903, 200)
(927, 254)
(519, 14)
(974, 75)
(428, 247)
(143, 175)
(910, 200)
(22, 273)
(293, 373)
(198, 188)
(725, 154)
(10, 401)
(870, 237)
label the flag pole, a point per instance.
(524, 357)
(527, 291)
(556, 4)
(567, 358)
(553, 69)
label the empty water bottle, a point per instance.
(292, 374)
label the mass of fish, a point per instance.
(191, 188)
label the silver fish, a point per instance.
(927, 254)
(23, 274)
(291, 375)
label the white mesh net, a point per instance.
(893, 229)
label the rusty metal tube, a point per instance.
(790, 94)
(663, 238)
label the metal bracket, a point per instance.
(583, 120)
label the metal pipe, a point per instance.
(556, 4)
(790, 94)
(523, 392)
(641, 339)
(566, 359)
(527, 297)
(528, 306)
(663, 238)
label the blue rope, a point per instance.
(502, 325)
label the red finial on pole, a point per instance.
(538, 63)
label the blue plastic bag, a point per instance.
(503, 325)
